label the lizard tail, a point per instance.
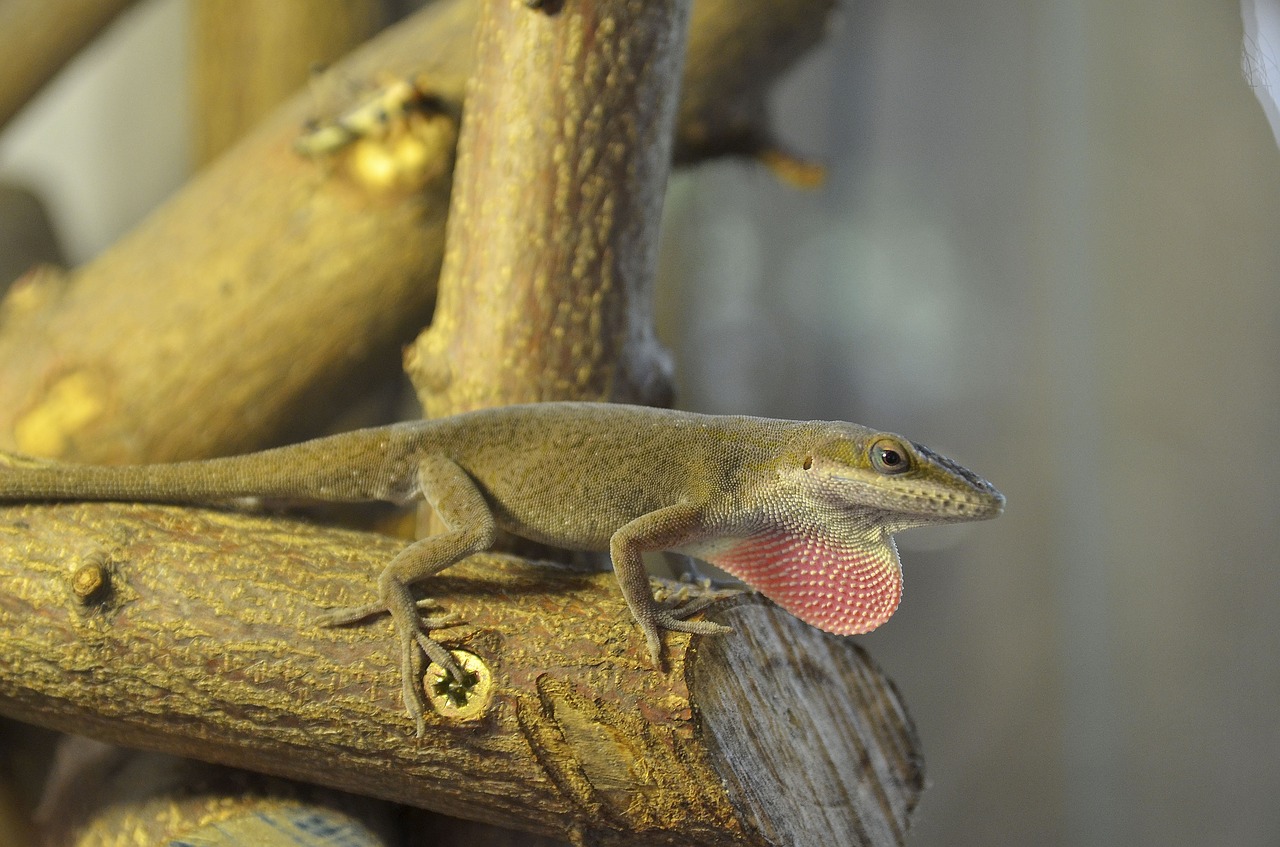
(351, 467)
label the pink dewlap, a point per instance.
(839, 588)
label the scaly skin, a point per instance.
(804, 512)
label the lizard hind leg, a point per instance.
(471, 529)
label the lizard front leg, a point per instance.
(663, 529)
(470, 529)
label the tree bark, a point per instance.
(99, 795)
(547, 287)
(189, 631)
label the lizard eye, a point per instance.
(888, 456)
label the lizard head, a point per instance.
(890, 481)
(822, 547)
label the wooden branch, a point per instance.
(273, 286)
(37, 38)
(189, 631)
(731, 117)
(101, 794)
(547, 287)
(248, 57)
(200, 332)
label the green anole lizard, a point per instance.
(804, 512)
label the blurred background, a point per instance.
(1048, 246)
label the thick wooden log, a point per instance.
(190, 631)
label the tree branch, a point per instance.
(247, 58)
(546, 291)
(37, 38)
(198, 641)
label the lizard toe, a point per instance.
(700, 627)
(438, 653)
(673, 621)
(348, 614)
(414, 702)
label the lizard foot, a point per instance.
(414, 644)
(692, 606)
(675, 607)
(354, 614)
(673, 619)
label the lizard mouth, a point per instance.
(950, 506)
(918, 504)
